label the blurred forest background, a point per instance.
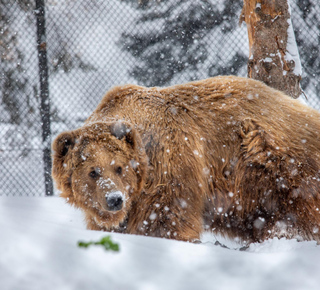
(94, 45)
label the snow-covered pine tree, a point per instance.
(168, 38)
(306, 23)
(12, 80)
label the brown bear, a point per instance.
(226, 154)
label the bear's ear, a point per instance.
(61, 165)
(63, 143)
(124, 131)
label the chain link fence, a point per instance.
(94, 45)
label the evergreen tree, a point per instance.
(169, 38)
(19, 91)
(307, 26)
(12, 80)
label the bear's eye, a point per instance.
(94, 174)
(119, 170)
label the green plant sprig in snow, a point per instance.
(106, 242)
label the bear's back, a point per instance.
(216, 106)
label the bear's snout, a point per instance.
(114, 201)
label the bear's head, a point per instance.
(100, 168)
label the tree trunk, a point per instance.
(273, 54)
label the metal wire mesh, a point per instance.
(94, 45)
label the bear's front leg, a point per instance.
(167, 214)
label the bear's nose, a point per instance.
(114, 201)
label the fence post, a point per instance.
(44, 94)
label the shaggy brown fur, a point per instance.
(226, 154)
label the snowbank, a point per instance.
(39, 250)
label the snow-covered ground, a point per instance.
(38, 250)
